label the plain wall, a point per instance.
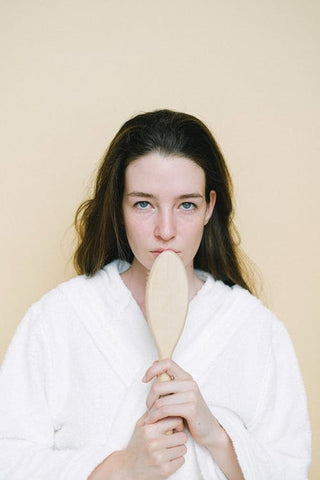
(73, 71)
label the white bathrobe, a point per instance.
(71, 389)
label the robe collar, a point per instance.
(113, 319)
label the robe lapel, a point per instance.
(215, 315)
(116, 324)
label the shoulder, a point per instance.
(262, 324)
(240, 307)
(72, 297)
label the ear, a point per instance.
(210, 206)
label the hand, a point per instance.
(180, 397)
(151, 454)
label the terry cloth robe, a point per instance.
(71, 389)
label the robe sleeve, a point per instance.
(26, 425)
(277, 443)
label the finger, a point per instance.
(173, 440)
(165, 366)
(170, 423)
(184, 410)
(159, 389)
(174, 399)
(176, 464)
(172, 453)
(168, 366)
(180, 427)
(168, 468)
(168, 441)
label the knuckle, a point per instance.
(152, 445)
(158, 403)
(180, 422)
(162, 411)
(147, 433)
(157, 457)
(165, 470)
(180, 438)
(185, 437)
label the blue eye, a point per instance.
(188, 206)
(143, 204)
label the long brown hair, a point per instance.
(99, 221)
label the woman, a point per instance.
(77, 399)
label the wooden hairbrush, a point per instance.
(166, 303)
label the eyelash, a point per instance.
(191, 205)
(138, 204)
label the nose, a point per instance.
(165, 226)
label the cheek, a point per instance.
(193, 225)
(135, 229)
(191, 235)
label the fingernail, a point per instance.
(144, 378)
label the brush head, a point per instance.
(166, 301)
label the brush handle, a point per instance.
(166, 301)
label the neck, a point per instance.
(135, 279)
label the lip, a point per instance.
(160, 250)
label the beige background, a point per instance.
(73, 71)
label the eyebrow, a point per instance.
(150, 195)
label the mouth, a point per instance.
(160, 250)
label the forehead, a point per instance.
(157, 171)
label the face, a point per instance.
(164, 208)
